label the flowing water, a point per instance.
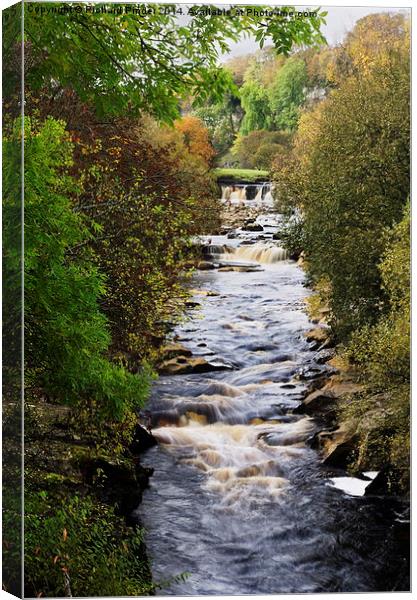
(238, 499)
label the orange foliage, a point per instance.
(196, 137)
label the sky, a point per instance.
(340, 20)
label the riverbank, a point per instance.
(80, 535)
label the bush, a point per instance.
(381, 355)
(258, 149)
(78, 546)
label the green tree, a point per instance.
(222, 121)
(142, 61)
(66, 334)
(255, 103)
(288, 94)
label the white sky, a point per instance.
(340, 20)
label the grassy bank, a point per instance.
(239, 175)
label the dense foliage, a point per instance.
(348, 174)
(255, 103)
(260, 148)
(287, 94)
(381, 354)
(65, 346)
(147, 60)
(106, 563)
(271, 92)
(350, 177)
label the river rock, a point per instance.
(184, 364)
(205, 265)
(339, 447)
(241, 268)
(319, 337)
(324, 402)
(192, 304)
(142, 440)
(174, 349)
(253, 227)
(207, 293)
(323, 356)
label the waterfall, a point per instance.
(261, 253)
(214, 249)
(259, 193)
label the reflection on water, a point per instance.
(237, 498)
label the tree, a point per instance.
(367, 44)
(148, 61)
(258, 149)
(222, 121)
(381, 356)
(66, 335)
(255, 103)
(351, 179)
(288, 94)
(195, 137)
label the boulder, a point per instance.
(341, 452)
(338, 447)
(184, 364)
(317, 403)
(324, 402)
(323, 356)
(205, 265)
(142, 440)
(253, 227)
(319, 338)
(192, 304)
(174, 349)
(386, 483)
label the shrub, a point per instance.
(78, 546)
(259, 148)
(381, 354)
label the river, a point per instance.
(238, 499)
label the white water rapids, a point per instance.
(238, 499)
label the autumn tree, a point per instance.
(195, 136)
(368, 44)
(259, 148)
(350, 177)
